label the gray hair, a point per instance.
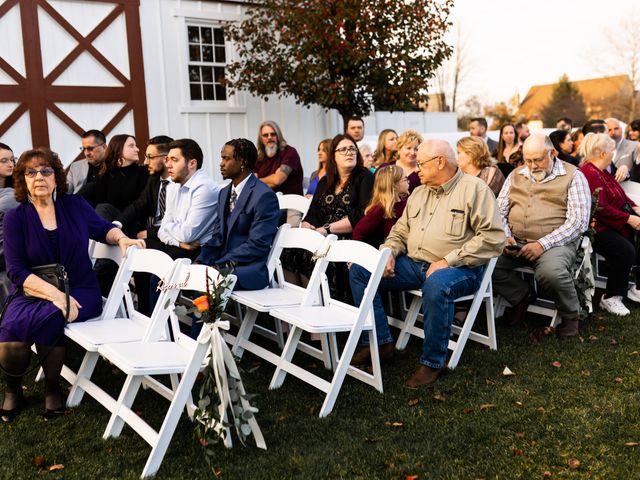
(593, 144)
(282, 143)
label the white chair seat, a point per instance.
(145, 358)
(104, 331)
(265, 300)
(320, 319)
(418, 293)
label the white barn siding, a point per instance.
(211, 124)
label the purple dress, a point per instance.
(27, 244)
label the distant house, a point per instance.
(603, 97)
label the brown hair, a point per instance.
(477, 150)
(42, 157)
(114, 152)
(501, 143)
(333, 177)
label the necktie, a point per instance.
(232, 200)
(162, 198)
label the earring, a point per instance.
(120, 162)
(55, 194)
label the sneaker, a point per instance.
(634, 294)
(614, 305)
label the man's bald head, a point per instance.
(439, 147)
(537, 152)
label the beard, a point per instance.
(539, 175)
(271, 150)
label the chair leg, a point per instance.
(409, 322)
(375, 363)
(287, 355)
(126, 398)
(491, 322)
(327, 357)
(279, 334)
(246, 327)
(85, 371)
(334, 352)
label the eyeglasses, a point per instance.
(45, 172)
(271, 134)
(346, 150)
(7, 160)
(91, 148)
(420, 164)
(151, 157)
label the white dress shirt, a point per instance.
(191, 210)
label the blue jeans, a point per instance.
(438, 294)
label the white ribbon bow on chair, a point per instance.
(222, 361)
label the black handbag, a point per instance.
(54, 274)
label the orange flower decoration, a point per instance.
(202, 303)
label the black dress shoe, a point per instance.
(519, 311)
(9, 416)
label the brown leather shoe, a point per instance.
(363, 356)
(423, 376)
(519, 311)
(568, 328)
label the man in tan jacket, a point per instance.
(446, 234)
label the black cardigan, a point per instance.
(121, 186)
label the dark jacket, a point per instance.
(245, 235)
(134, 217)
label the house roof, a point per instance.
(593, 90)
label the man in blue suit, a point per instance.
(247, 222)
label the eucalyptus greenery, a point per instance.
(222, 387)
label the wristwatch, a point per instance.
(327, 227)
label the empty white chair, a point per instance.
(281, 294)
(112, 328)
(295, 205)
(183, 356)
(333, 317)
(484, 294)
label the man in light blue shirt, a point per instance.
(192, 199)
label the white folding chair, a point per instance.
(294, 204)
(484, 294)
(333, 317)
(281, 294)
(183, 356)
(546, 306)
(113, 328)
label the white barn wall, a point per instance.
(172, 112)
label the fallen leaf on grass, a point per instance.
(489, 381)
(601, 328)
(556, 364)
(217, 472)
(614, 342)
(540, 409)
(467, 410)
(635, 353)
(631, 444)
(394, 424)
(547, 474)
(585, 373)
(487, 406)
(525, 392)
(592, 338)
(533, 443)
(57, 466)
(38, 461)
(411, 477)
(520, 435)
(108, 450)
(507, 372)
(518, 452)
(574, 463)
(413, 402)
(439, 397)
(618, 380)
(520, 404)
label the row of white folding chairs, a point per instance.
(142, 346)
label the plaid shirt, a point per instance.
(578, 207)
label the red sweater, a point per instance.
(609, 214)
(373, 228)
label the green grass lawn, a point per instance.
(568, 401)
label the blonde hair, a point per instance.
(380, 154)
(410, 136)
(477, 151)
(384, 189)
(593, 144)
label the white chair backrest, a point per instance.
(109, 252)
(294, 202)
(276, 250)
(632, 189)
(136, 260)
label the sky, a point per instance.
(514, 44)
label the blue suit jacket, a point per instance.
(245, 235)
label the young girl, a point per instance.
(390, 192)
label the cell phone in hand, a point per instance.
(513, 248)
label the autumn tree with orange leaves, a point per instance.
(348, 55)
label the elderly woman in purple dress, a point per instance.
(47, 227)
